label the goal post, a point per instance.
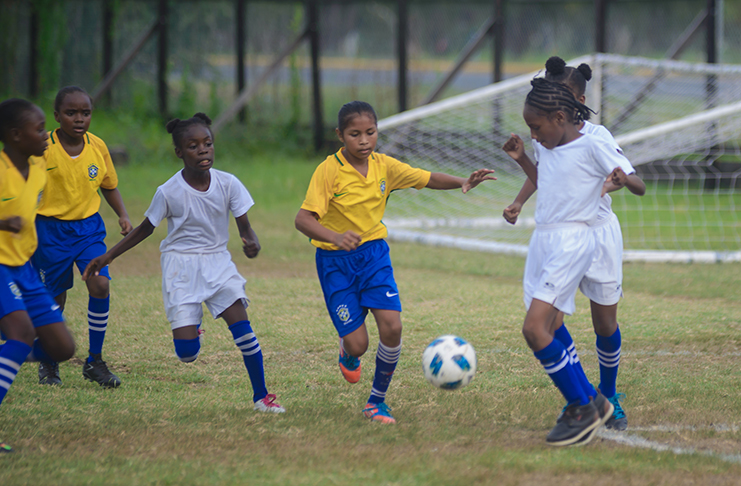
(682, 135)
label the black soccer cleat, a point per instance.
(49, 373)
(98, 372)
(575, 423)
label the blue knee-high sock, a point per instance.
(12, 356)
(38, 354)
(97, 318)
(247, 343)
(562, 334)
(557, 364)
(386, 360)
(608, 353)
(187, 349)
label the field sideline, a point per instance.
(172, 423)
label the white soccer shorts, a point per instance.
(190, 280)
(603, 282)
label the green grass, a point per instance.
(172, 423)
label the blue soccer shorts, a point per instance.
(355, 281)
(63, 244)
(22, 290)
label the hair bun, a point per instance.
(172, 124)
(585, 71)
(555, 66)
(204, 117)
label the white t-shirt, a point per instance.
(570, 179)
(198, 222)
(605, 203)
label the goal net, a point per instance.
(679, 123)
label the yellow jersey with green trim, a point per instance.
(344, 200)
(72, 188)
(20, 197)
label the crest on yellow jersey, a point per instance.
(92, 171)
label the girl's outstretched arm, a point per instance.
(115, 201)
(139, 234)
(440, 180)
(634, 184)
(306, 222)
(250, 244)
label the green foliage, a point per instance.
(52, 38)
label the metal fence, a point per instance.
(358, 48)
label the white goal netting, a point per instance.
(679, 123)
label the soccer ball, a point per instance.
(449, 362)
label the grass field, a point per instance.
(172, 423)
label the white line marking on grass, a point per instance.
(640, 442)
(693, 428)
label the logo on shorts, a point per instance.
(383, 187)
(389, 294)
(15, 290)
(42, 276)
(343, 313)
(92, 171)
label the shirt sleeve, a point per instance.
(158, 208)
(240, 199)
(320, 190)
(402, 176)
(110, 181)
(608, 158)
(605, 135)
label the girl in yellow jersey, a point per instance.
(342, 215)
(71, 231)
(27, 310)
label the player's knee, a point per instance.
(62, 350)
(356, 346)
(533, 336)
(187, 350)
(99, 287)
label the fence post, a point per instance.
(402, 30)
(600, 25)
(499, 24)
(241, 51)
(107, 42)
(313, 27)
(162, 58)
(33, 34)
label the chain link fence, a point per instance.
(357, 47)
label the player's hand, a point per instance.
(125, 225)
(13, 224)
(618, 178)
(514, 147)
(477, 178)
(511, 212)
(349, 240)
(250, 247)
(95, 266)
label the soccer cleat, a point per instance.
(379, 412)
(268, 404)
(605, 409)
(349, 366)
(617, 420)
(574, 424)
(49, 373)
(98, 372)
(5, 448)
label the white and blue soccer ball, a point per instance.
(449, 362)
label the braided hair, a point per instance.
(177, 127)
(352, 109)
(575, 78)
(549, 97)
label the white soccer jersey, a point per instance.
(605, 203)
(570, 179)
(198, 222)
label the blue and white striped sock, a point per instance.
(246, 341)
(557, 364)
(12, 355)
(608, 353)
(97, 318)
(563, 335)
(386, 360)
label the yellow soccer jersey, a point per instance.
(347, 201)
(72, 189)
(20, 197)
